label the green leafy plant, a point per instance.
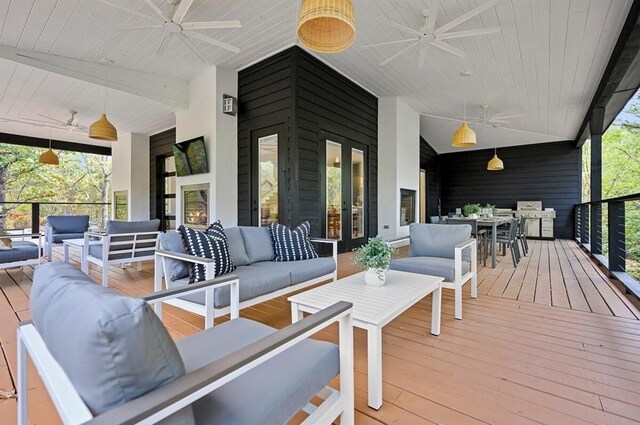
(491, 207)
(471, 209)
(376, 254)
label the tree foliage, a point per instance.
(80, 178)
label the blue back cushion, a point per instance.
(112, 348)
(212, 244)
(437, 240)
(292, 245)
(237, 249)
(117, 226)
(174, 269)
(258, 243)
(68, 223)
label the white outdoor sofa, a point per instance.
(442, 250)
(23, 252)
(261, 279)
(123, 242)
(107, 359)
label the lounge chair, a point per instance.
(62, 227)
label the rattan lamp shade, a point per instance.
(103, 130)
(49, 157)
(326, 26)
(495, 164)
(464, 137)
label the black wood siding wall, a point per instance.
(429, 162)
(160, 146)
(548, 172)
(307, 98)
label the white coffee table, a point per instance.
(373, 308)
(77, 243)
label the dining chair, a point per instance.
(509, 239)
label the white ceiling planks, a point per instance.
(545, 64)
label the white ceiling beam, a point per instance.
(172, 92)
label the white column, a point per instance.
(130, 172)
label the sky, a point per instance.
(625, 117)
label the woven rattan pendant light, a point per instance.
(326, 26)
(464, 137)
(495, 164)
(102, 129)
(49, 157)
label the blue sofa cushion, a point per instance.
(214, 245)
(237, 249)
(301, 271)
(174, 269)
(60, 237)
(438, 240)
(292, 245)
(112, 348)
(254, 282)
(433, 266)
(273, 392)
(20, 251)
(68, 223)
(118, 226)
(258, 243)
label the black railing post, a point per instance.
(617, 248)
(576, 222)
(595, 233)
(584, 224)
(35, 217)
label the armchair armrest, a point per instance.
(184, 257)
(465, 244)
(95, 234)
(172, 397)
(333, 242)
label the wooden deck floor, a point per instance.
(551, 341)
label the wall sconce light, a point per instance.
(229, 105)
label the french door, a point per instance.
(267, 178)
(344, 190)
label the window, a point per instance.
(334, 190)
(121, 205)
(357, 193)
(268, 179)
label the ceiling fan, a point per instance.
(70, 124)
(175, 25)
(428, 35)
(495, 120)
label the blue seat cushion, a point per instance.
(258, 243)
(174, 269)
(301, 270)
(254, 282)
(113, 348)
(271, 393)
(60, 237)
(68, 223)
(20, 251)
(433, 266)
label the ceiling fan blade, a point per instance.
(25, 120)
(181, 11)
(210, 40)
(164, 39)
(442, 118)
(387, 43)
(470, 33)
(401, 52)
(448, 47)
(433, 15)
(50, 125)
(146, 27)
(191, 46)
(157, 10)
(505, 117)
(465, 17)
(126, 9)
(53, 119)
(422, 58)
(402, 27)
(211, 25)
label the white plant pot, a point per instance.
(371, 277)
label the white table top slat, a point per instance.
(372, 305)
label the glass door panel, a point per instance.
(334, 190)
(268, 179)
(357, 193)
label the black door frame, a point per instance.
(161, 194)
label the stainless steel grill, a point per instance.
(539, 222)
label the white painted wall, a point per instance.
(398, 163)
(130, 172)
(205, 118)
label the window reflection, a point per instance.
(357, 193)
(334, 190)
(268, 179)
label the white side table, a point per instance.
(77, 243)
(373, 308)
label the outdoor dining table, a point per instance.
(493, 223)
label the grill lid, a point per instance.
(529, 206)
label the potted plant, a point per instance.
(375, 257)
(489, 210)
(471, 210)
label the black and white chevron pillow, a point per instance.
(292, 245)
(213, 244)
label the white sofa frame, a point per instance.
(459, 279)
(29, 262)
(109, 247)
(209, 312)
(159, 404)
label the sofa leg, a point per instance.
(105, 275)
(458, 301)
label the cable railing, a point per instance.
(32, 216)
(610, 230)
